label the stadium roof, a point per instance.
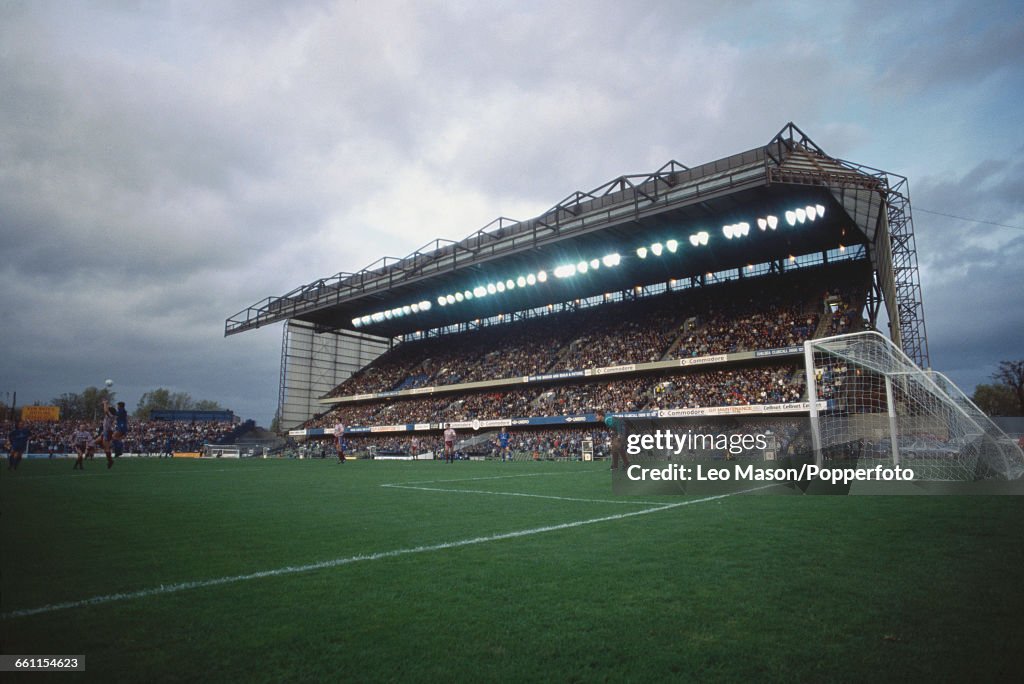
(624, 214)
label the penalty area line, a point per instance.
(338, 562)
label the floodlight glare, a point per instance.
(727, 231)
(366, 320)
(812, 213)
(406, 309)
(425, 305)
(672, 245)
(542, 276)
(703, 237)
(801, 215)
(694, 240)
(595, 263)
(500, 286)
(521, 281)
(791, 218)
(744, 228)
(531, 279)
(657, 248)
(491, 288)
(479, 291)
(641, 252)
(388, 315)
(415, 307)
(762, 223)
(820, 209)
(773, 221)
(565, 271)
(611, 260)
(442, 301)
(581, 267)
(459, 296)
(451, 299)
(356, 323)
(378, 317)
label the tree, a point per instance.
(1011, 375)
(164, 399)
(85, 406)
(995, 400)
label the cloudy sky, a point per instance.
(164, 165)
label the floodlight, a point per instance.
(521, 281)
(459, 296)
(425, 305)
(451, 299)
(415, 307)
(595, 263)
(500, 286)
(510, 284)
(842, 248)
(791, 218)
(801, 215)
(388, 315)
(820, 209)
(378, 317)
(727, 231)
(812, 213)
(762, 223)
(565, 271)
(406, 309)
(641, 252)
(581, 267)
(657, 248)
(531, 279)
(744, 228)
(611, 260)
(356, 323)
(366, 320)
(773, 221)
(479, 291)
(442, 300)
(467, 294)
(703, 237)
(672, 245)
(694, 240)
(491, 288)
(542, 276)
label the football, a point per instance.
(108, 382)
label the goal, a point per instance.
(870, 401)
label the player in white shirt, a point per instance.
(449, 443)
(83, 444)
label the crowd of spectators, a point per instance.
(144, 437)
(721, 387)
(777, 312)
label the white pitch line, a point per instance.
(532, 496)
(337, 562)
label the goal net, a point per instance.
(881, 408)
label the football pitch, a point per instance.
(278, 570)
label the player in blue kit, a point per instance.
(17, 440)
(503, 445)
(120, 428)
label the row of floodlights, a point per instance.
(737, 230)
(497, 287)
(699, 239)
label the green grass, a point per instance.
(743, 587)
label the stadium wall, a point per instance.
(313, 363)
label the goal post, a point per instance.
(867, 397)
